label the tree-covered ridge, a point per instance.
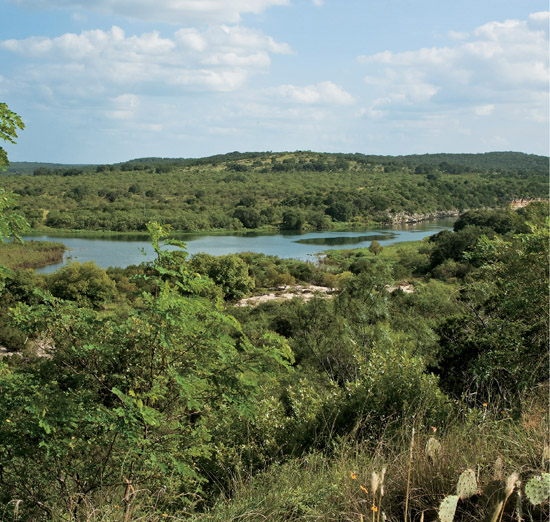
(480, 161)
(272, 190)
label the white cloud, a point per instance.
(501, 62)
(124, 107)
(217, 59)
(323, 93)
(484, 110)
(186, 12)
(318, 3)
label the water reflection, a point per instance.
(128, 250)
(344, 240)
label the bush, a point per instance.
(87, 284)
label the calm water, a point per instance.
(123, 252)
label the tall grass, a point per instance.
(31, 254)
(338, 486)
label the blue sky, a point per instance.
(102, 81)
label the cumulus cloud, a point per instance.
(186, 12)
(219, 58)
(498, 63)
(323, 93)
(484, 110)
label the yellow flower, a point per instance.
(353, 476)
(485, 405)
(364, 489)
(165, 514)
(7, 420)
(374, 508)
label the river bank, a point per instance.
(391, 220)
(31, 254)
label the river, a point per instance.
(123, 251)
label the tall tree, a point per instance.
(9, 123)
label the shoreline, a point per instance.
(394, 220)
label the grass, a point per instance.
(30, 254)
(338, 486)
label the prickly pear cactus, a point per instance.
(537, 489)
(467, 484)
(433, 449)
(447, 508)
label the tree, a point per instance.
(9, 123)
(340, 211)
(249, 217)
(375, 247)
(12, 225)
(123, 408)
(87, 284)
(292, 220)
(230, 272)
(498, 346)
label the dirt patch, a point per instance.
(404, 287)
(288, 292)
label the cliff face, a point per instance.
(405, 217)
(519, 203)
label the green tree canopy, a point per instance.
(9, 123)
(124, 404)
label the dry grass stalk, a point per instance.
(411, 448)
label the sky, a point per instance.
(105, 81)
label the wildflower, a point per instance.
(165, 514)
(7, 420)
(485, 405)
(433, 428)
(374, 508)
(117, 506)
(363, 488)
(353, 476)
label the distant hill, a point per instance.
(28, 167)
(270, 190)
(487, 160)
(484, 160)
(446, 162)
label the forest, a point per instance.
(406, 382)
(415, 388)
(267, 191)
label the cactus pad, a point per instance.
(467, 484)
(447, 508)
(433, 449)
(537, 489)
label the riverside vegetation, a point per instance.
(269, 191)
(144, 393)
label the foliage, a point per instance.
(140, 394)
(230, 272)
(499, 344)
(288, 191)
(31, 254)
(9, 123)
(336, 485)
(86, 283)
(12, 225)
(120, 409)
(375, 247)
